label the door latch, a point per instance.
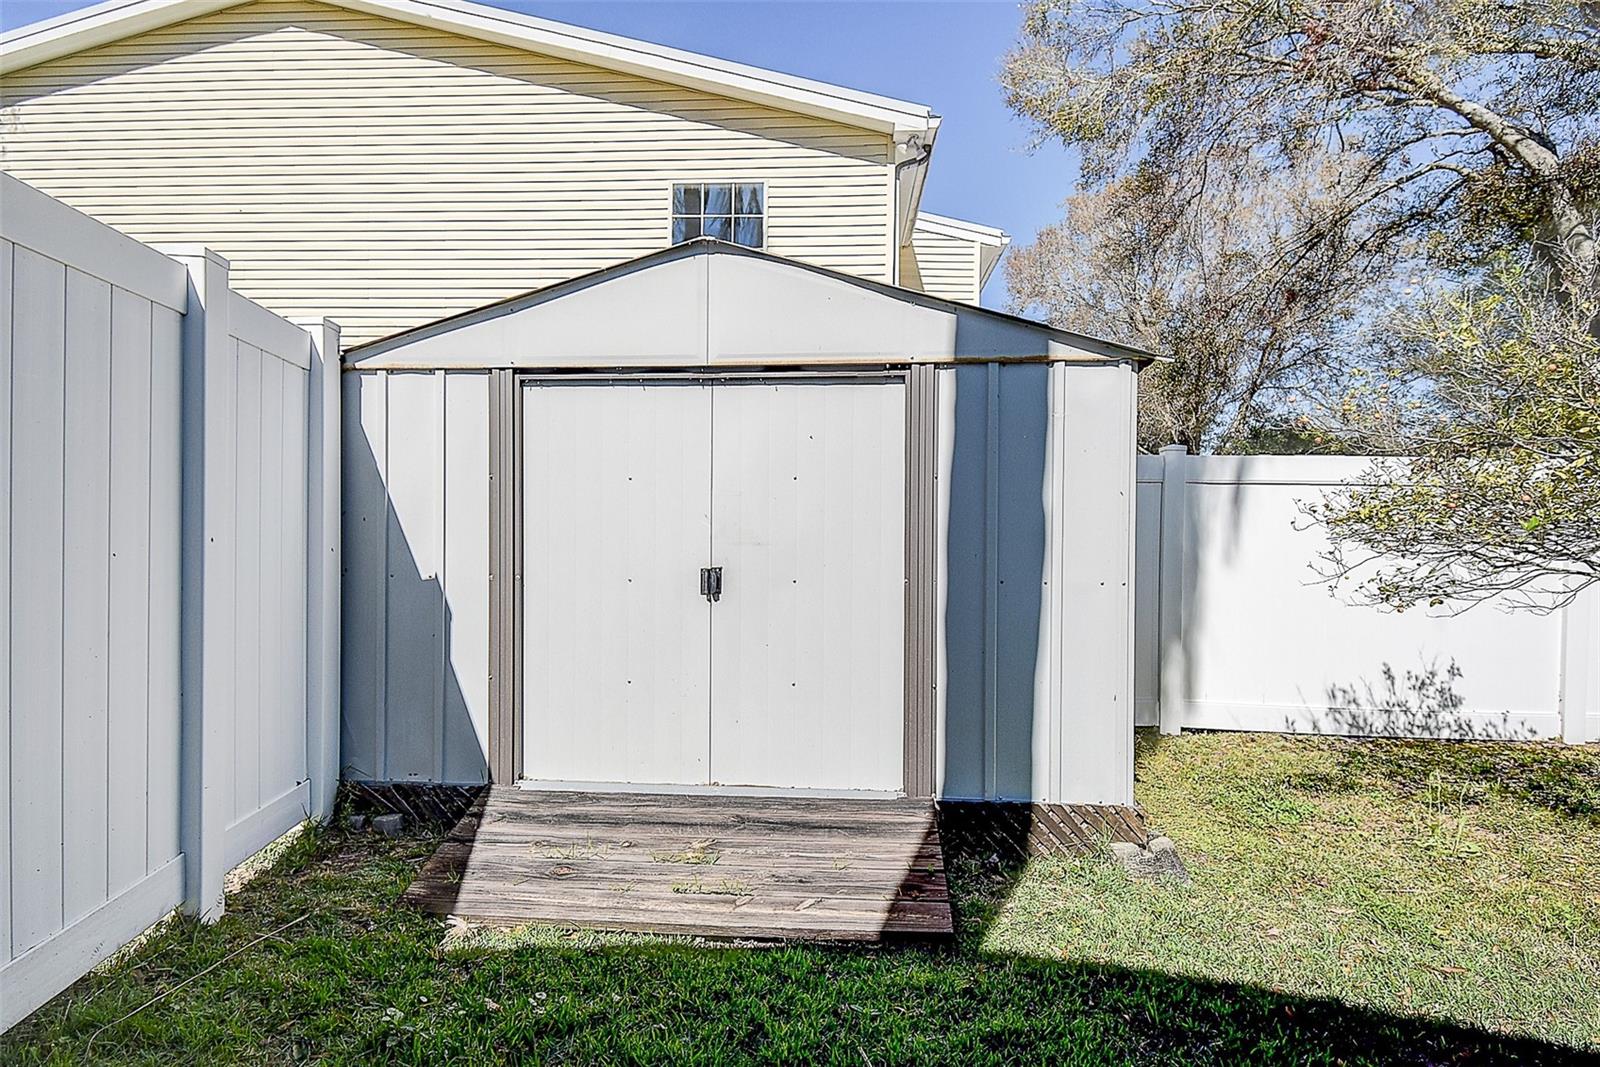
(711, 583)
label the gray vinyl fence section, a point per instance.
(271, 363)
(125, 791)
(1236, 630)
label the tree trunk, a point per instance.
(1568, 225)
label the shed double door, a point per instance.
(793, 675)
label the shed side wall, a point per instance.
(416, 583)
(1035, 582)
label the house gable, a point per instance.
(115, 20)
(951, 258)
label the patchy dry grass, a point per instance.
(1376, 902)
(1453, 881)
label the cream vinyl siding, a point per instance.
(910, 273)
(940, 266)
(387, 175)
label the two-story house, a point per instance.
(391, 163)
(677, 450)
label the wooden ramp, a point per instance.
(714, 866)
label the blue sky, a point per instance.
(946, 55)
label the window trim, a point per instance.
(765, 215)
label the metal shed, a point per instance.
(713, 520)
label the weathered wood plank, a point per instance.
(745, 915)
(889, 841)
(526, 864)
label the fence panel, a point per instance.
(164, 485)
(1244, 634)
(89, 651)
(271, 364)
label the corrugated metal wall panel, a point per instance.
(1034, 684)
(1035, 581)
(299, 139)
(962, 638)
(1090, 509)
(364, 553)
(416, 537)
(414, 658)
(465, 712)
(1023, 598)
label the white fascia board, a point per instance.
(90, 27)
(960, 228)
(116, 19)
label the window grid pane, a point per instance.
(686, 200)
(747, 231)
(718, 199)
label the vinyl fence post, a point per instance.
(208, 595)
(1580, 668)
(1173, 697)
(323, 442)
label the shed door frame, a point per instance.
(506, 545)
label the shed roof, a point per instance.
(707, 301)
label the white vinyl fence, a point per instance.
(1236, 631)
(167, 709)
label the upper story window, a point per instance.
(728, 211)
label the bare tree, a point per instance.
(1478, 114)
(1202, 271)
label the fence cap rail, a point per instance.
(32, 220)
(193, 251)
(274, 335)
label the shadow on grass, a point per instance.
(1563, 779)
(363, 979)
(1560, 778)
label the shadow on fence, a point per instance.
(1420, 703)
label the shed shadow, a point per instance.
(404, 715)
(996, 570)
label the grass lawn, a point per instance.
(1383, 902)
